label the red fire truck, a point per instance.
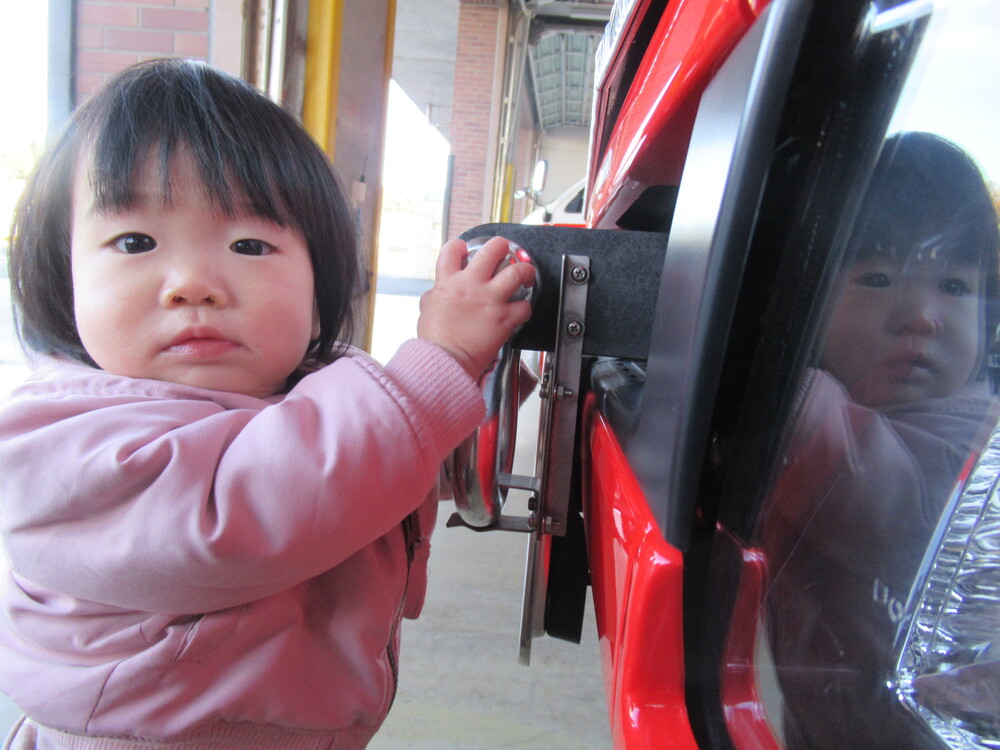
(768, 437)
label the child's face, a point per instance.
(905, 331)
(186, 294)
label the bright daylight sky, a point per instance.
(416, 154)
(23, 62)
(963, 63)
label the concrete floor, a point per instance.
(460, 683)
(461, 686)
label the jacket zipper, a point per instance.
(411, 533)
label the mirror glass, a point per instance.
(893, 414)
(539, 175)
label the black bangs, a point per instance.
(152, 111)
(927, 198)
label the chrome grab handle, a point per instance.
(480, 460)
(480, 468)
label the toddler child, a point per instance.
(885, 427)
(214, 514)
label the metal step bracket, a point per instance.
(560, 396)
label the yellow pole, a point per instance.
(506, 196)
(390, 41)
(322, 75)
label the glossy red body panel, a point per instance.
(486, 452)
(637, 582)
(741, 701)
(613, 84)
(648, 142)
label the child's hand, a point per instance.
(468, 311)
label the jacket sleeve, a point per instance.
(855, 477)
(201, 507)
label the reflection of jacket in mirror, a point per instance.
(845, 529)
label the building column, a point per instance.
(478, 91)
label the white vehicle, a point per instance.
(566, 209)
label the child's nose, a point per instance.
(193, 286)
(918, 314)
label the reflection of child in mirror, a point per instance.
(883, 430)
(214, 514)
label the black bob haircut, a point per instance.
(246, 150)
(928, 198)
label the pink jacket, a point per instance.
(845, 530)
(190, 564)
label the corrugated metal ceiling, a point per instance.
(565, 35)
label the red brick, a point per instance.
(87, 83)
(191, 45)
(470, 129)
(91, 61)
(174, 19)
(154, 56)
(107, 14)
(89, 37)
(138, 40)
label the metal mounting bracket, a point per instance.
(560, 394)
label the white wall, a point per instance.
(566, 150)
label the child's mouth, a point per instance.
(911, 366)
(200, 344)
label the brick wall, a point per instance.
(474, 119)
(113, 34)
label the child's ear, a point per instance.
(315, 322)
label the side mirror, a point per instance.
(539, 176)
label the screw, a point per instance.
(545, 389)
(579, 274)
(574, 329)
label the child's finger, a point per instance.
(520, 313)
(510, 278)
(483, 264)
(451, 258)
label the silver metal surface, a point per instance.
(720, 191)
(556, 442)
(476, 465)
(949, 669)
(479, 470)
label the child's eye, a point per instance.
(954, 287)
(876, 280)
(252, 247)
(134, 243)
